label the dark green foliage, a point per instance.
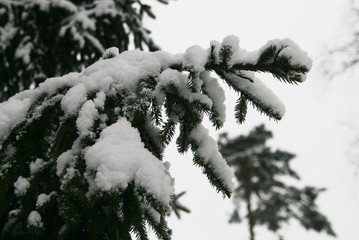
(240, 109)
(269, 200)
(42, 39)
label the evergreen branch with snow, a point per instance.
(95, 139)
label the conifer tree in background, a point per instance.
(42, 38)
(269, 201)
(82, 154)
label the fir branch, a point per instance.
(213, 177)
(167, 132)
(260, 105)
(240, 109)
(225, 55)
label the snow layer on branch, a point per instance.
(291, 50)
(208, 151)
(123, 71)
(195, 57)
(170, 76)
(21, 186)
(258, 90)
(87, 117)
(12, 112)
(216, 93)
(63, 160)
(233, 42)
(42, 199)
(36, 165)
(74, 99)
(34, 220)
(120, 157)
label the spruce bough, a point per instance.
(82, 154)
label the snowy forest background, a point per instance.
(320, 126)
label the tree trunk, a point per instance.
(248, 193)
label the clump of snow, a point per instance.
(74, 99)
(14, 212)
(100, 100)
(166, 59)
(42, 199)
(120, 157)
(21, 186)
(208, 151)
(36, 165)
(233, 42)
(297, 56)
(291, 50)
(216, 93)
(63, 160)
(259, 90)
(34, 220)
(216, 45)
(89, 113)
(55, 83)
(12, 112)
(195, 57)
(87, 116)
(170, 76)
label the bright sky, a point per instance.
(318, 123)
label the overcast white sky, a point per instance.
(320, 121)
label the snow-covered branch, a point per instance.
(100, 134)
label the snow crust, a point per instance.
(34, 220)
(21, 185)
(120, 157)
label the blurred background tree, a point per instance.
(41, 38)
(260, 174)
(345, 55)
